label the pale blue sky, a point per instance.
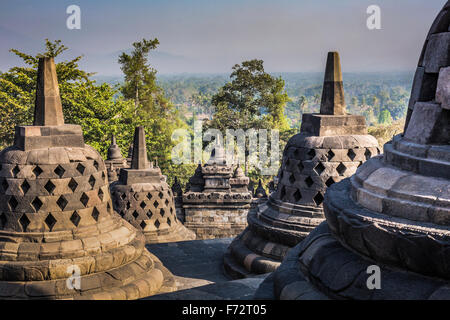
(209, 36)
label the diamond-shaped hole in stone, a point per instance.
(24, 222)
(143, 204)
(75, 218)
(59, 171)
(135, 214)
(84, 199)
(92, 181)
(25, 187)
(169, 222)
(142, 224)
(297, 195)
(166, 202)
(283, 193)
(368, 154)
(162, 212)
(161, 195)
(122, 213)
(3, 219)
(37, 171)
(330, 155)
(155, 204)
(96, 165)
(73, 185)
(292, 178)
(62, 202)
(149, 214)
(157, 224)
(318, 199)
(108, 207)
(37, 204)
(5, 184)
(49, 186)
(13, 203)
(149, 196)
(128, 205)
(309, 182)
(312, 153)
(319, 168)
(50, 221)
(171, 210)
(101, 194)
(123, 196)
(95, 214)
(80, 168)
(351, 154)
(329, 182)
(15, 171)
(341, 168)
(360, 164)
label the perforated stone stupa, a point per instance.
(394, 212)
(114, 161)
(143, 198)
(329, 148)
(218, 199)
(56, 215)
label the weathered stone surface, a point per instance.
(443, 88)
(333, 101)
(437, 54)
(424, 122)
(218, 200)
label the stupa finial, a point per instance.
(333, 101)
(48, 107)
(140, 159)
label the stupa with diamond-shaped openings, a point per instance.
(329, 148)
(56, 216)
(143, 198)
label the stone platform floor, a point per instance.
(198, 269)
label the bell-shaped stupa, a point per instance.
(329, 148)
(387, 229)
(143, 198)
(59, 235)
(114, 161)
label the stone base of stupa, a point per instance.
(121, 269)
(176, 233)
(273, 228)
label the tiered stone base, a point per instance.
(113, 264)
(177, 233)
(322, 268)
(273, 228)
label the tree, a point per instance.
(140, 78)
(253, 99)
(385, 117)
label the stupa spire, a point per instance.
(48, 107)
(333, 101)
(140, 158)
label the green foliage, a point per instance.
(253, 99)
(385, 117)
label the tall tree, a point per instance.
(140, 77)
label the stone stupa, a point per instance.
(218, 199)
(59, 235)
(143, 198)
(329, 148)
(394, 213)
(114, 161)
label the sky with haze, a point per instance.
(210, 36)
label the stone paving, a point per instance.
(198, 270)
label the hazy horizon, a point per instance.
(209, 37)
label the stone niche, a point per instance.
(218, 199)
(57, 217)
(143, 198)
(394, 212)
(329, 148)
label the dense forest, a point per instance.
(248, 97)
